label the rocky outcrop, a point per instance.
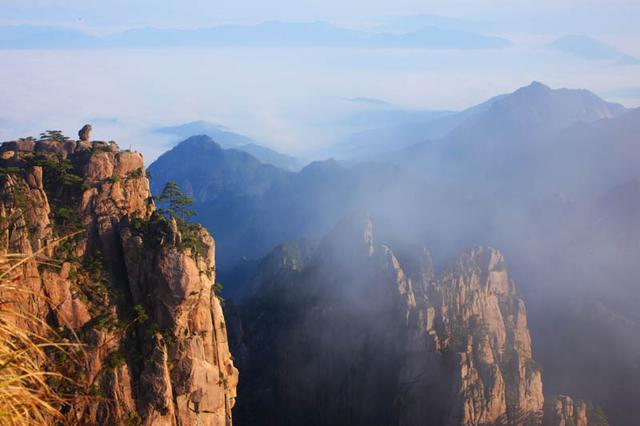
(134, 286)
(472, 326)
(564, 411)
(85, 133)
(365, 336)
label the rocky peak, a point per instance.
(200, 142)
(528, 115)
(535, 88)
(136, 287)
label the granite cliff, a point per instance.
(134, 286)
(349, 331)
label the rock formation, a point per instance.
(85, 133)
(134, 286)
(474, 326)
(564, 411)
(355, 333)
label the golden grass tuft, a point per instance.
(27, 396)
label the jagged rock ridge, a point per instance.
(355, 333)
(135, 288)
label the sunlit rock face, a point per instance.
(361, 335)
(564, 411)
(125, 281)
(475, 331)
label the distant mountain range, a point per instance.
(546, 175)
(529, 145)
(591, 49)
(530, 112)
(495, 146)
(540, 107)
(390, 130)
(228, 139)
(289, 34)
(527, 111)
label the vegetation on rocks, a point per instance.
(53, 135)
(109, 284)
(178, 208)
(34, 387)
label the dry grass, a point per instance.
(27, 396)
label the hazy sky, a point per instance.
(291, 99)
(599, 16)
(195, 12)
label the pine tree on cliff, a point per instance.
(177, 202)
(54, 135)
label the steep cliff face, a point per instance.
(133, 287)
(361, 335)
(473, 329)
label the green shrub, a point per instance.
(222, 380)
(190, 238)
(135, 173)
(216, 289)
(115, 360)
(5, 171)
(133, 419)
(141, 314)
